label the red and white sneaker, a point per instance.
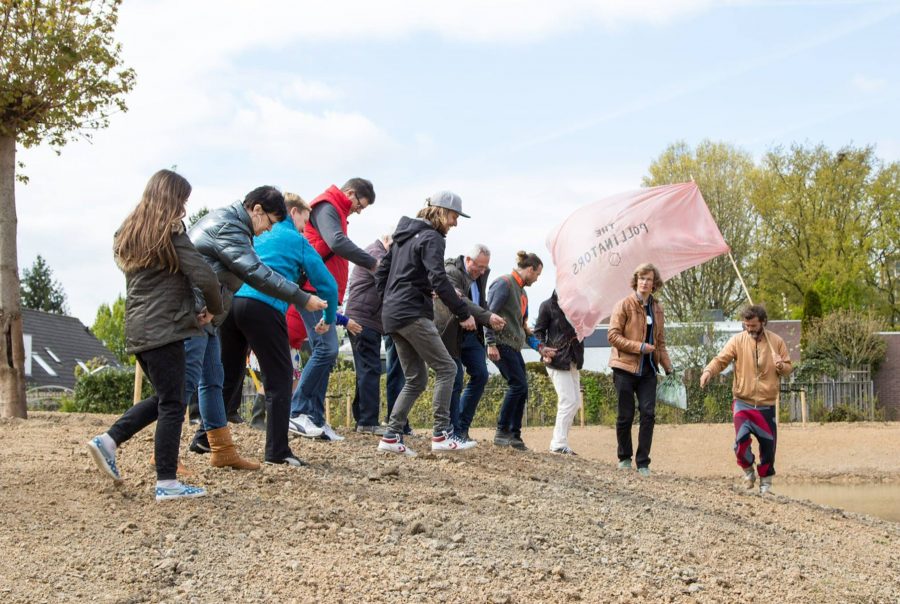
(394, 444)
(448, 441)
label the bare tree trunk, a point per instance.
(12, 348)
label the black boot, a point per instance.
(258, 413)
(516, 442)
(200, 444)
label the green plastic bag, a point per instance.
(671, 391)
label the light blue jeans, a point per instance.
(203, 368)
(309, 397)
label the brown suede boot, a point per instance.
(182, 470)
(224, 452)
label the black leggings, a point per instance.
(255, 325)
(165, 368)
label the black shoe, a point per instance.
(200, 444)
(502, 438)
(235, 418)
(517, 443)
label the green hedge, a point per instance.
(712, 405)
(108, 390)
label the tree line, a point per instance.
(804, 223)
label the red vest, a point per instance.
(337, 266)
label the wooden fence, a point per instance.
(852, 390)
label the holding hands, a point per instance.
(354, 327)
(497, 322)
(315, 303)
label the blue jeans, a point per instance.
(395, 378)
(464, 403)
(512, 368)
(367, 362)
(203, 368)
(309, 397)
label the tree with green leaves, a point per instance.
(109, 328)
(819, 211)
(40, 291)
(726, 177)
(61, 76)
(884, 278)
(196, 216)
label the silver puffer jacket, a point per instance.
(224, 238)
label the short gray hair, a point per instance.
(479, 249)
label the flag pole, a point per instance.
(771, 349)
(740, 278)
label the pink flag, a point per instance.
(597, 248)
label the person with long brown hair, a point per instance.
(161, 268)
(637, 335)
(406, 277)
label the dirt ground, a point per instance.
(486, 526)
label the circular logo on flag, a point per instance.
(615, 259)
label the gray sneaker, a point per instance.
(765, 485)
(644, 471)
(376, 430)
(624, 464)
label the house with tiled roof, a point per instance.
(55, 345)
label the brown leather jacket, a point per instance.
(627, 331)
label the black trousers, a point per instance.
(255, 325)
(164, 367)
(643, 386)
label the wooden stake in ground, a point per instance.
(138, 383)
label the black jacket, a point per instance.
(224, 238)
(445, 321)
(412, 269)
(160, 306)
(554, 330)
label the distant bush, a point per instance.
(845, 413)
(104, 390)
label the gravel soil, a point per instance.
(488, 525)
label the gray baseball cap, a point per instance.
(449, 200)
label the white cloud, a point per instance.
(309, 90)
(868, 84)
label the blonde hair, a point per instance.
(440, 218)
(646, 268)
(292, 200)
(145, 238)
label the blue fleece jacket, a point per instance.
(288, 252)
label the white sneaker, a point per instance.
(303, 426)
(394, 444)
(765, 485)
(328, 433)
(749, 478)
(448, 441)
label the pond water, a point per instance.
(882, 500)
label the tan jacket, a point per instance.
(627, 331)
(756, 380)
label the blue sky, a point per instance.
(526, 109)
